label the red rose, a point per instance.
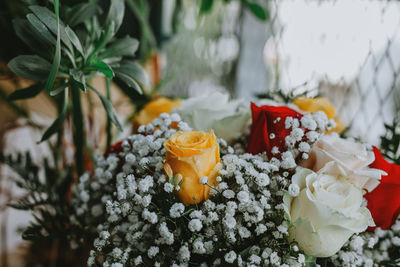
(384, 201)
(114, 149)
(268, 128)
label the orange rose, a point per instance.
(154, 108)
(191, 156)
(319, 104)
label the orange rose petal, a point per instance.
(154, 108)
(168, 170)
(320, 104)
(193, 155)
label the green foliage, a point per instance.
(141, 10)
(59, 121)
(80, 47)
(81, 12)
(129, 68)
(108, 107)
(28, 92)
(390, 142)
(257, 9)
(77, 58)
(57, 55)
(46, 193)
(32, 67)
(206, 6)
(310, 261)
(278, 96)
(123, 47)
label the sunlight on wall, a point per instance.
(330, 39)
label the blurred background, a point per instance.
(348, 51)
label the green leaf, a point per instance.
(131, 74)
(104, 68)
(104, 39)
(50, 20)
(82, 12)
(32, 233)
(74, 40)
(79, 77)
(17, 109)
(129, 81)
(122, 47)
(31, 37)
(57, 55)
(257, 10)
(30, 66)
(108, 107)
(113, 62)
(206, 5)
(115, 14)
(59, 89)
(135, 71)
(41, 28)
(57, 124)
(28, 92)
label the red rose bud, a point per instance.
(384, 201)
(268, 128)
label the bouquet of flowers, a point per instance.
(286, 190)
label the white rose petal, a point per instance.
(349, 159)
(227, 118)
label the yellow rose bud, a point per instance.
(189, 157)
(154, 108)
(319, 104)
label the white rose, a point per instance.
(326, 212)
(227, 118)
(351, 160)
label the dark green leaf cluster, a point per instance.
(46, 193)
(71, 47)
(257, 9)
(392, 263)
(390, 142)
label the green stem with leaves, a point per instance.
(17, 109)
(58, 149)
(79, 135)
(109, 122)
(142, 12)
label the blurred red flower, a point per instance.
(268, 128)
(384, 201)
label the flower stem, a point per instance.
(311, 261)
(108, 126)
(79, 135)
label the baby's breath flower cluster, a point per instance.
(377, 248)
(304, 133)
(139, 221)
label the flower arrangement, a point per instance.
(285, 192)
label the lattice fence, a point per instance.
(348, 51)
